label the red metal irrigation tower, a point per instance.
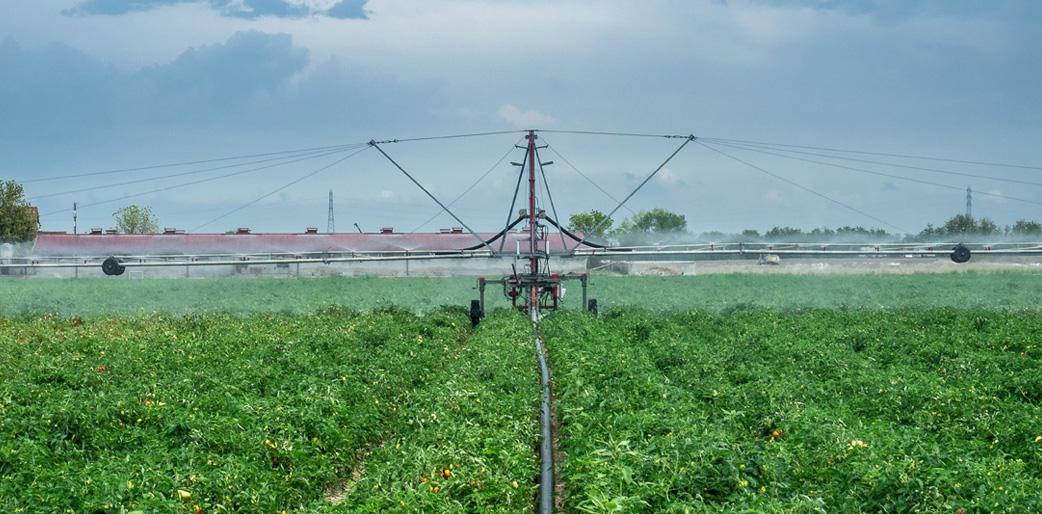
(536, 289)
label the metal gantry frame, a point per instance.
(536, 289)
(531, 286)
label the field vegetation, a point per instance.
(715, 293)
(730, 393)
(339, 412)
(932, 410)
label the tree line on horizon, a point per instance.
(661, 226)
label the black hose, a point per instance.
(546, 477)
(573, 236)
(497, 236)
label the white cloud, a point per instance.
(668, 177)
(182, 82)
(524, 119)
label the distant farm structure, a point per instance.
(457, 252)
(174, 253)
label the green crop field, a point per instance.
(729, 393)
(339, 412)
(715, 293)
(930, 410)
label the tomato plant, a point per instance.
(901, 410)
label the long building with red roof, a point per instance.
(243, 242)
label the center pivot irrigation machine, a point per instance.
(531, 285)
(535, 288)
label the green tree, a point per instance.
(963, 225)
(136, 220)
(594, 225)
(654, 226)
(959, 225)
(987, 227)
(862, 232)
(1026, 228)
(930, 232)
(783, 234)
(822, 233)
(18, 222)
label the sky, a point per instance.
(219, 114)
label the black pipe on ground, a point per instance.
(546, 477)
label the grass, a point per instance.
(713, 293)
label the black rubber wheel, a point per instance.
(960, 254)
(592, 305)
(111, 266)
(475, 312)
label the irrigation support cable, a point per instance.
(549, 197)
(185, 184)
(687, 140)
(888, 175)
(297, 158)
(376, 145)
(583, 175)
(205, 161)
(546, 474)
(464, 193)
(517, 189)
(772, 151)
(901, 156)
(309, 175)
(805, 188)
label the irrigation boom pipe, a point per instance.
(157, 262)
(733, 249)
(809, 253)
